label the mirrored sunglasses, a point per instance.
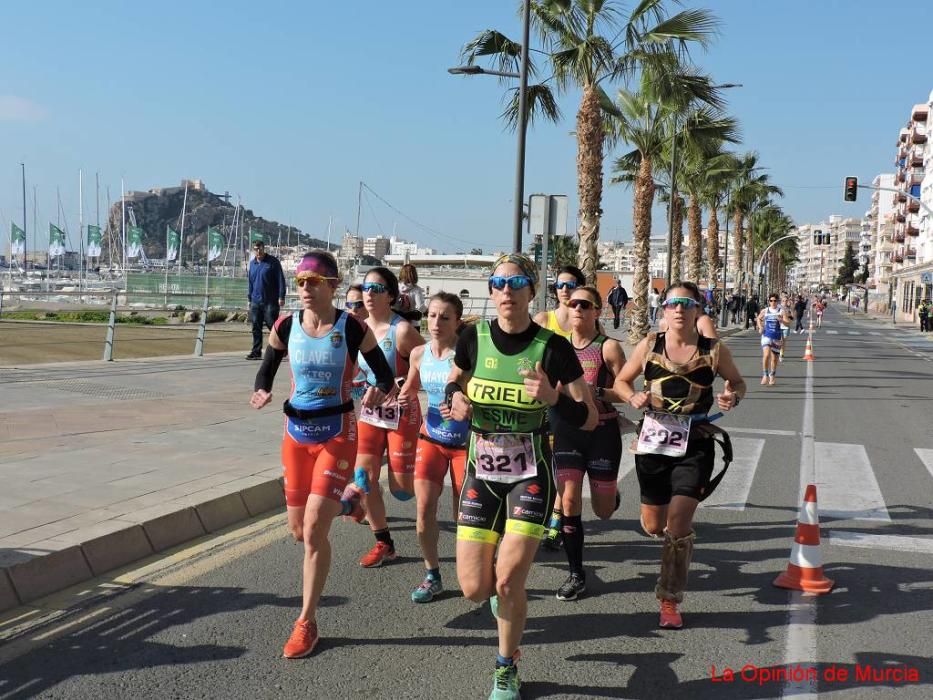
(513, 282)
(353, 305)
(374, 287)
(312, 279)
(683, 302)
(584, 304)
(566, 285)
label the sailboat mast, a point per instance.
(123, 212)
(181, 230)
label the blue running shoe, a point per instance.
(425, 592)
(505, 684)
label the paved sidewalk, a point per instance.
(103, 464)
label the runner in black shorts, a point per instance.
(504, 380)
(674, 449)
(595, 454)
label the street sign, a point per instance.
(547, 214)
(550, 253)
(926, 278)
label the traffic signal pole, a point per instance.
(892, 189)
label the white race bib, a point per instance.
(664, 434)
(385, 415)
(505, 457)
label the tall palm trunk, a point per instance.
(694, 240)
(589, 179)
(752, 262)
(738, 241)
(678, 237)
(641, 228)
(712, 248)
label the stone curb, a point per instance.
(29, 580)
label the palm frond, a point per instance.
(541, 104)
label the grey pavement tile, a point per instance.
(53, 529)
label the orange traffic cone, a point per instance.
(808, 351)
(805, 567)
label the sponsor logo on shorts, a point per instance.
(343, 465)
(472, 493)
(332, 474)
(530, 499)
(470, 504)
(336, 492)
(533, 489)
(407, 444)
(519, 511)
(468, 518)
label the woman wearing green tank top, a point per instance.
(503, 381)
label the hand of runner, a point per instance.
(538, 386)
(726, 399)
(460, 408)
(260, 398)
(374, 397)
(639, 399)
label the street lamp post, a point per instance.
(522, 120)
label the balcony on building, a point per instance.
(913, 206)
(919, 112)
(913, 226)
(898, 256)
(899, 234)
(914, 178)
(900, 175)
(901, 196)
(918, 134)
(910, 253)
(902, 136)
(900, 216)
(916, 157)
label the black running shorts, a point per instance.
(661, 477)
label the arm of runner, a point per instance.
(265, 376)
(614, 357)
(385, 382)
(625, 381)
(408, 339)
(409, 391)
(570, 410)
(735, 388)
(457, 406)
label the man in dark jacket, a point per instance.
(266, 294)
(618, 298)
(800, 308)
(751, 311)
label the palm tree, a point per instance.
(585, 43)
(751, 189)
(715, 190)
(766, 225)
(643, 120)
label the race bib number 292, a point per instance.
(664, 434)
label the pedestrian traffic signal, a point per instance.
(851, 190)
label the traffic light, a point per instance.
(820, 238)
(851, 190)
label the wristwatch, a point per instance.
(600, 392)
(737, 399)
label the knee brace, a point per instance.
(676, 554)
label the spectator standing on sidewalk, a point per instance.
(923, 311)
(266, 294)
(654, 303)
(618, 299)
(751, 311)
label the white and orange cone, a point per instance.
(808, 351)
(805, 567)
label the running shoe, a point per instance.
(381, 552)
(303, 640)
(494, 605)
(670, 615)
(771, 380)
(553, 540)
(764, 379)
(425, 592)
(572, 588)
(505, 683)
(254, 356)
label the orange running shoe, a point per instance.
(303, 640)
(670, 615)
(380, 553)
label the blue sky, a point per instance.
(290, 105)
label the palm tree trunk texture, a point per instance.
(678, 237)
(589, 179)
(641, 227)
(750, 248)
(738, 240)
(694, 240)
(712, 248)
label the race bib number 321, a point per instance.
(505, 457)
(664, 434)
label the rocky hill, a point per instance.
(161, 207)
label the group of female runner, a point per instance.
(497, 391)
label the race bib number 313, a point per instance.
(383, 416)
(664, 434)
(505, 457)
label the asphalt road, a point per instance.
(211, 621)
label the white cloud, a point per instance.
(20, 109)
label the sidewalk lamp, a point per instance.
(522, 119)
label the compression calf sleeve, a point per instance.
(270, 365)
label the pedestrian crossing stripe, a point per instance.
(833, 332)
(926, 456)
(847, 483)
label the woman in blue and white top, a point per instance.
(442, 442)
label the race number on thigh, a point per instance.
(664, 434)
(383, 416)
(505, 457)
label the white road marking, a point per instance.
(800, 645)
(854, 333)
(847, 484)
(845, 538)
(759, 431)
(832, 332)
(733, 491)
(926, 456)
(874, 333)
